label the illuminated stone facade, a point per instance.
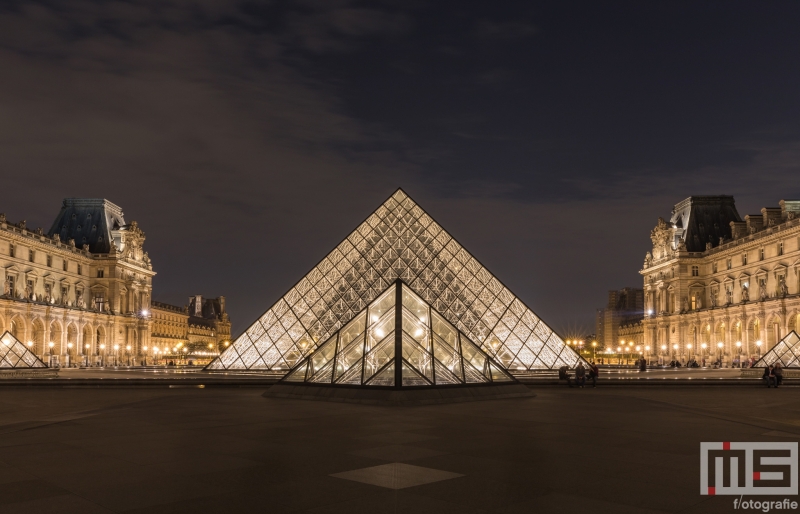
(80, 294)
(196, 332)
(718, 286)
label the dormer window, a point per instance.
(73, 215)
(94, 227)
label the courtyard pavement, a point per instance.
(186, 449)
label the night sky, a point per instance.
(248, 138)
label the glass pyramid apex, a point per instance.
(398, 241)
(786, 352)
(14, 354)
(398, 341)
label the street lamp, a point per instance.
(758, 344)
(739, 351)
(720, 345)
(594, 349)
(702, 357)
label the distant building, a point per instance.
(719, 286)
(625, 307)
(81, 292)
(197, 332)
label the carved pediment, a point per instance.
(662, 236)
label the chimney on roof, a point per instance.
(772, 216)
(754, 223)
(196, 305)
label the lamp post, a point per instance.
(689, 350)
(702, 353)
(103, 354)
(619, 355)
(739, 352)
(758, 345)
(128, 354)
(719, 357)
(594, 350)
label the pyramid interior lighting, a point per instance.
(398, 241)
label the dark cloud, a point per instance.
(247, 138)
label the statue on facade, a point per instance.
(783, 288)
(713, 299)
(21, 224)
(7, 287)
(709, 246)
(2, 217)
(745, 294)
(763, 292)
(681, 245)
(698, 303)
(729, 296)
(685, 304)
(661, 237)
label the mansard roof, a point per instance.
(88, 221)
(704, 219)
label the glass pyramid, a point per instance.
(787, 352)
(14, 355)
(398, 340)
(399, 240)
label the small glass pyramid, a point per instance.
(398, 240)
(14, 355)
(398, 340)
(787, 352)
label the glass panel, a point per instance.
(379, 356)
(416, 329)
(417, 357)
(498, 375)
(298, 375)
(473, 355)
(414, 304)
(353, 329)
(447, 355)
(323, 355)
(411, 378)
(473, 376)
(324, 375)
(444, 376)
(382, 305)
(352, 376)
(350, 357)
(444, 330)
(380, 330)
(384, 378)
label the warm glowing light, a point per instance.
(675, 346)
(758, 343)
(638, 348)
(379, 332)
(51, 344)
(69, 345)
(738, 343)
(227, 343)
(145, 312)
(703, 346)
(102, 347)
(647, 348)
(128, 347)
(689, 346)
(374, 318)
(418, 332)
(116, 347)
(619, 349)
(87, 345)
(720, 345)
(663, 347)
(30, 343)
(210, 346)
(594, 343)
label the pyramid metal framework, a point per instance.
(398, 341)
(14, 354)
(399, 240)
(787, 352)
